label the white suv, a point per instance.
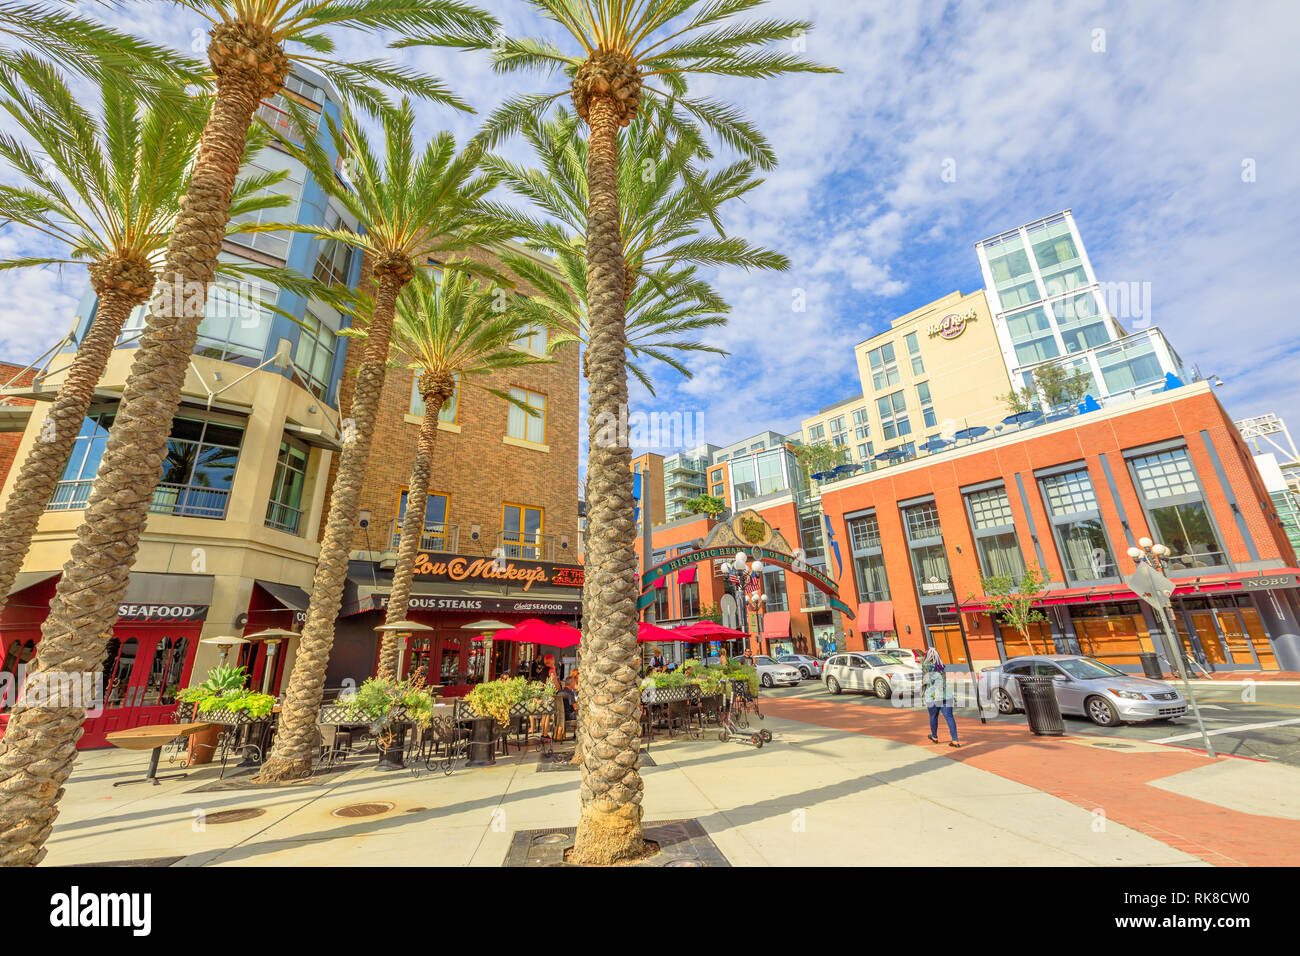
(876, 672)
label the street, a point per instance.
(1253, 719)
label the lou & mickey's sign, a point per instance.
(459, 567)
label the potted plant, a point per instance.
(222, 695)
(389, 706)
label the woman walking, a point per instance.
(937, 698)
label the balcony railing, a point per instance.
(188, 501)
(437, 537)
(282, 517)
(522, 546)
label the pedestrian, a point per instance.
(937, 698)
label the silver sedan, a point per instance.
(1087, 688)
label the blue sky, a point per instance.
(1139, 117)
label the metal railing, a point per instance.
(190, 501)
(523, 546)
(70, 496)
(437, 536)
(283, 517)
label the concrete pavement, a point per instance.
(817, 795)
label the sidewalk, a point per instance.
(819, 794)
(1227, 812)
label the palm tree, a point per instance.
(249, 61)
(413, 208)
(108, 195)
(618, 50)
(451, 334)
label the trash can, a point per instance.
(1151, 665)
(1039, 696)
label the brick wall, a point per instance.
(9, 441)
(476, 468)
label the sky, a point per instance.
(1171, 129)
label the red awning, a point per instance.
(687, 575)
(875, 616)
(661, 583)
(776, 624)
(1207, 584)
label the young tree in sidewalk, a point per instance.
(452, 334)
(1012, 598)
(107, 196)
(617, 52)
(414, 207)
(249, 61)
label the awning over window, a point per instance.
(875, 616)
(147, 587)
(687, 575)
(1208, 584)
(294, 598)
(317, 437)
(29, 579)
(776, 624)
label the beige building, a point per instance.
(845, 424)
(933, 370)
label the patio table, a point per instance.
(152, 737)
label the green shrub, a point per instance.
(382, 701)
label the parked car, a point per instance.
(905, 654)
(880, 673)
(772, 672)
(1088, 688)
(807, 666)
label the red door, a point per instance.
(142, 672)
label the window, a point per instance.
(521, 532)
(527, 425)
(893, 415)
(314, 354)
(1076, 523)
(73, 491)
(995, 533)
(1176, 510)
(533, 339)
(334, 260)
(757, 446)
(861, 424)
(271, 243)
(284, 510)
(16, 659)
(839, 438)
(1031, 334)
(810, 536)
(434, 537)
(927, 405)
(1129, 363)
(450, 409)
(884, 369)
(774, 590)
(234, 328)
(118, 666)
(816, 433)
(742, 479)
(770, 476)
(1081, 322)
(868, 562)
(925, 540)
(663, 604)
(165, 672)
(198, 470)
(863, 453)
(914, 350)
(690, 599)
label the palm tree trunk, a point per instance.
(295, 739)
(44, 464)
(417, 496)
(609, 829)
(39, 745)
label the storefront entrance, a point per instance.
(143, 670)
(1112, 633)
(1224, 633)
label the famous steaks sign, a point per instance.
(460, 567)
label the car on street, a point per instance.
(905, 654)
(882, 674)
(772, 672)
(808, 667)
(1088, 688)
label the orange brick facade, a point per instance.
(9, 441)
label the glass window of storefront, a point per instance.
(925, 541)
(284, 510)
(1076, 523)
(1176, 510)
(774, 590)
(995, 533)
(1113, 633)
(868, 559)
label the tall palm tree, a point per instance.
(108, 195)
(414, 207)
(451, 334)
(249, 61)
(616, 51)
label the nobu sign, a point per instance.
(457, 567)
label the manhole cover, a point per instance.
(551, 838)
(684, 863)
(233, 816)
(362, 810)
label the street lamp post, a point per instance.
(746, 573)
(1150, 557)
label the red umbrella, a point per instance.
(709, 631)
(647, 633)
(533, 631)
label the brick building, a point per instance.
(14, 413)
(503, 487)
